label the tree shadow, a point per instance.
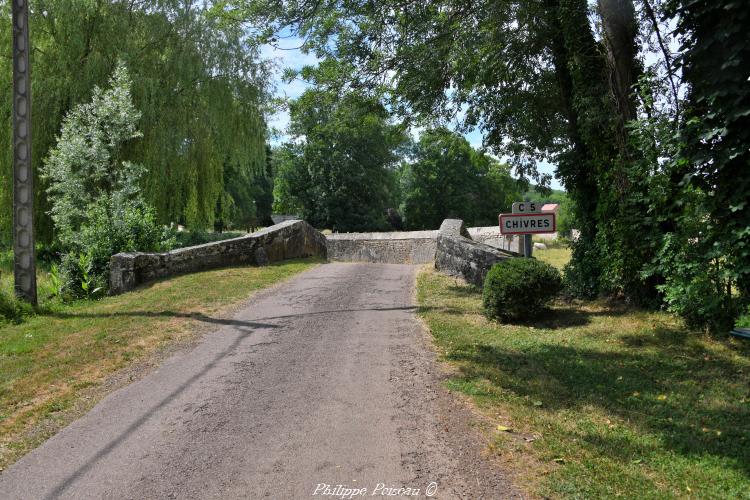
(662, 337)
(464, 290)
(256, 323)
(668, 393)
(163, 314)
(555, 318)
(453, 311)
(562, 314)
(59, 488)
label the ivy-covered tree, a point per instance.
(706, 252)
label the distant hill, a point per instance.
(554, 196)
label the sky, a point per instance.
(288, 56)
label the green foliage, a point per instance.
(715, 159)
(696, 287)
(744, 320)
(88, 280)
(196, 81)
(286, 178)
(581, 275)
(86, 166)
(337, 171)
(248, 197)
(11, 308)
(264, 192)
(56, 280)
(120, 226)
(447, 178)
(519, 288)
(96, 203)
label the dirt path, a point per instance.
(325, 380)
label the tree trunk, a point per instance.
(620, 32)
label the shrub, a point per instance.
(744, 320)
(697, 285)
(519, 288)
(115, 226)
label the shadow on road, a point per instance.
(334, 311)
(245, 327)
(83, 469)
(166, 314)
(223, 321)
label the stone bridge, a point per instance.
(456, 250)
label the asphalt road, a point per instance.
(326, 379)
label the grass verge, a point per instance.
(52, 358)
(556, 256)
(599, 401)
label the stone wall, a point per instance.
(279, 218)
(459, 255)
(408, 247)
(490, 235)
(287, 240)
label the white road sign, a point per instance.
(527, 223)
(526, 207)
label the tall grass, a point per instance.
(11, 308)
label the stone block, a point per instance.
(454, 227)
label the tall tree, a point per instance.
(531, 75)
(196, 81)
(447, 178)
(97, 206)
(709, 251)
(337, 169)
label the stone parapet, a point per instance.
(408, 247)
(459, 255)
(490, 235)
(287, 240)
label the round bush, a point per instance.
(519, 288)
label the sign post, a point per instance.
(24, 263)
(526, 219)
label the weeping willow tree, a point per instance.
(196, 81)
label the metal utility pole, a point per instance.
(24, 264)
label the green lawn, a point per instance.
(556, 256)
(601, 401)
(51, 357)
